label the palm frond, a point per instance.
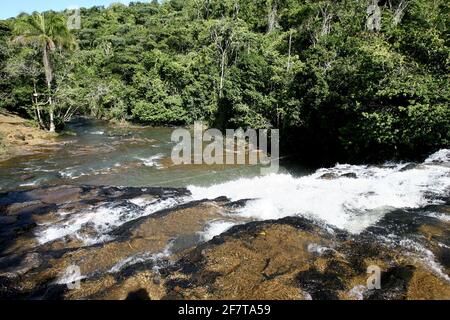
(37, 22)
(28, 40)
(28, 25)
(49, 29)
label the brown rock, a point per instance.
(17, 208)
(58, 195)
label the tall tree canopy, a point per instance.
(343, 79)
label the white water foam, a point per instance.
(69, 278)
(216, 228)
(101, 220)
(139, 258)
(97, 133)
(142, 201)
(348, 203)
(440, 216)
(73, 174)
(425, 256)
(358, 292)
(442, 156)
(151, 161)
(318, 249)
(412, 248)
(30, 184)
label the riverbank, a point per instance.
(19, 137)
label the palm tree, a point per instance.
(47, 31)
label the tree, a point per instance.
(272, 16)
(228, 36)
(47, 31)
(399, 10)
(310, 68)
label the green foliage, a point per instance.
(310, 68)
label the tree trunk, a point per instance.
(222, 74)
(52, 115)
(47, 67)
(399, 13)
(49, 78)
(290, 50)
(37, 109)
(374, 17)
(326, 24)
(41, 123)
(272, 19)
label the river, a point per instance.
(98, 153)
(384, 201)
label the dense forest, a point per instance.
(345, 80)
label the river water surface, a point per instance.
(96, 153)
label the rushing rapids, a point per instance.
(275, 236)
(349, 197)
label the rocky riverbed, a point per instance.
(67, 231)
(160, 243)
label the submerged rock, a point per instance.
(350, 175)
(17, 265)
(333, 176)
(329, 176)
(409, 166)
